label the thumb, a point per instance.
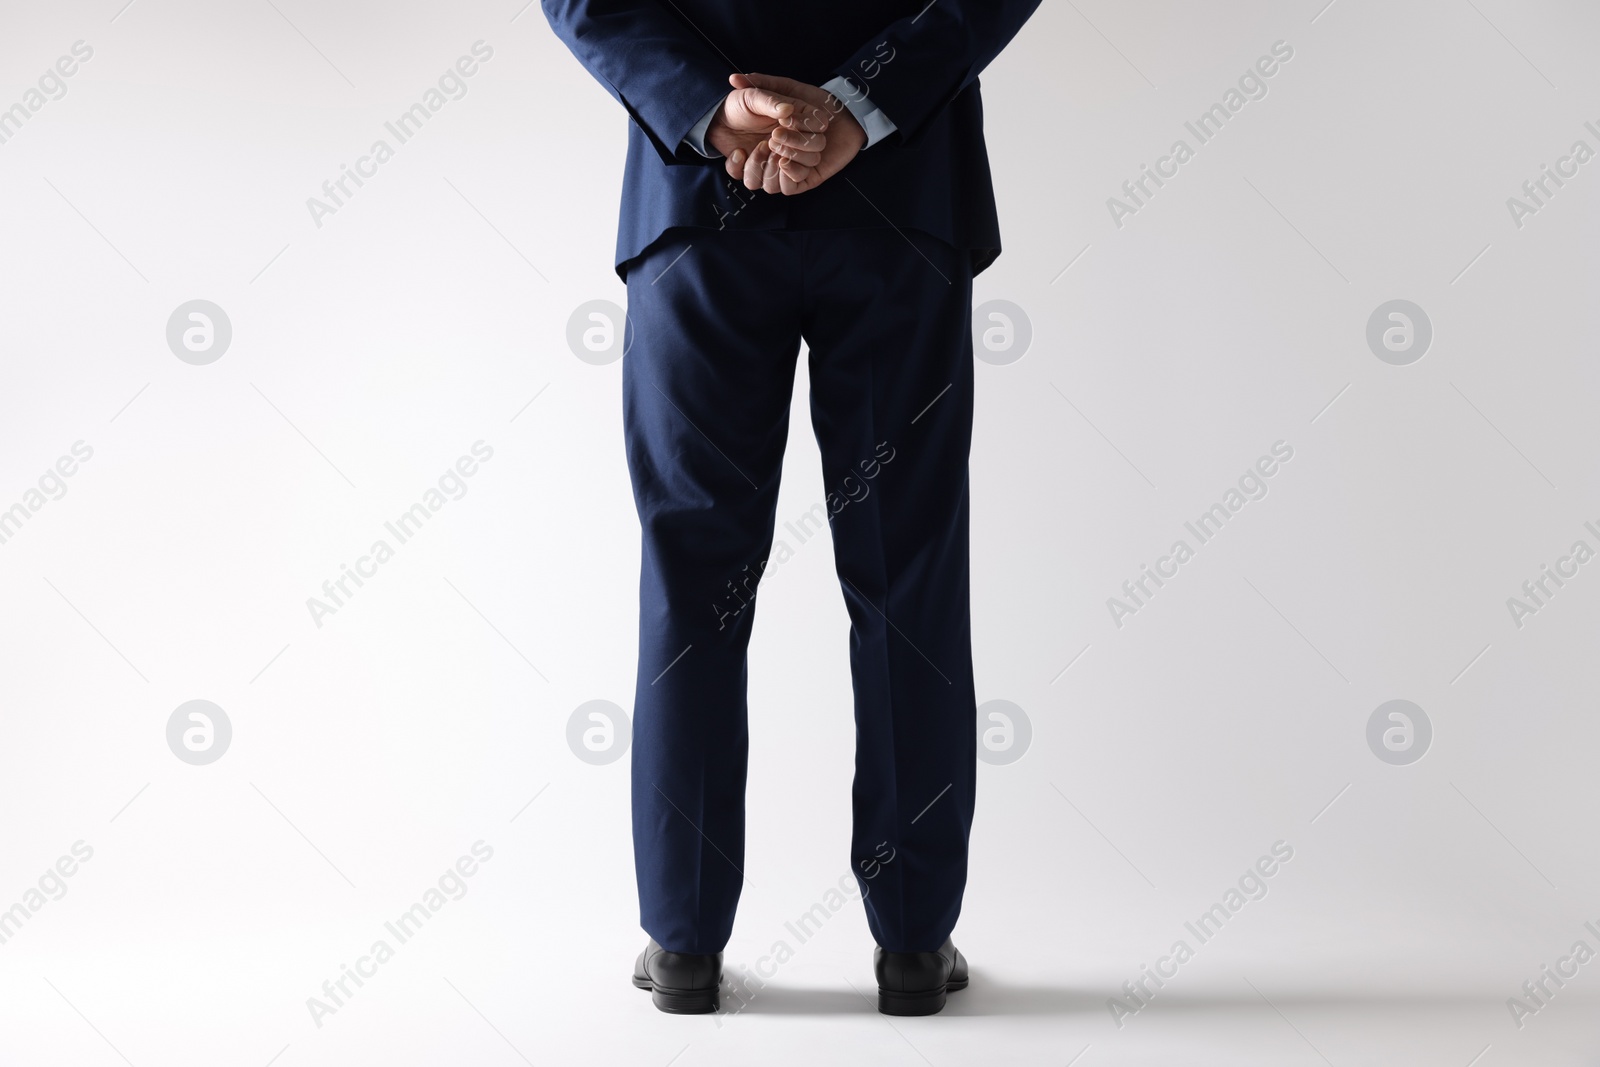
(765, 104)
(772, 83)
(814, 107)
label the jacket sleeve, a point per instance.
(919, 64)
(661, 69)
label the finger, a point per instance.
(797, 156)
(794, 178)
(770, 180)
(808, 118)
(755, 166)
(796, 139)
(734, 164)
(812, 118)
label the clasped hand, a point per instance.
(782, 135)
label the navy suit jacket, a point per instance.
(668, 61)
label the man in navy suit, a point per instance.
(847, 203)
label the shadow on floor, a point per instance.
(984, 997)
(989, 996)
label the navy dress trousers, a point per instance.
(873, 272)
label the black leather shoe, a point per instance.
(915, 983)
(680, 983)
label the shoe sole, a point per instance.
(925, 1002)
(679, 1001)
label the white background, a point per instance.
(368, 354)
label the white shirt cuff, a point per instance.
(696, 137)
(870, 115)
